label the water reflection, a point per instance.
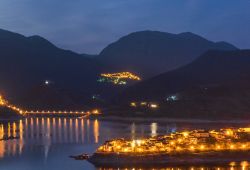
(241, 166)
(45, 132)
(96, 131)
(49, 141)
(154, 129)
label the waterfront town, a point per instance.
(231, 139)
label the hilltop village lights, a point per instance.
(120, 78)
(183, 142)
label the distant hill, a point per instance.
(216, 86)
(35, 73)
(89, 55)
(27, 62)
(230, 68)
(149, 53)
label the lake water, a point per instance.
(47, 143)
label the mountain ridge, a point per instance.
(213, 67)
(149, 53)
(26, 62)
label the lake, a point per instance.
(46, 143)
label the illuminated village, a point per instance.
(183, 142)
(120, 78)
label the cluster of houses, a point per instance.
(230, 139)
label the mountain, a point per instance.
(27, 62)
(35, 73)
(214, 68)
(89, 55)
(149, 53)
(216, 86)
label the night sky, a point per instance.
(87, 26)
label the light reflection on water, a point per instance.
(46, 143)
(44, 131)
(182, 168)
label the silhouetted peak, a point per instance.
(222, 55)
(190, 35)
(226, 45)
(6, 32)
(40, 40)
(165, 34)
(214, 67)
(9, 34)
(149, 53)
(147, 34)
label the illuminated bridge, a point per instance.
(53, 112)
(48, 112)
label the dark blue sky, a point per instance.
(89, 25)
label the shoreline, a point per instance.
(145, 119)
(160, 160)
(167, 120)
